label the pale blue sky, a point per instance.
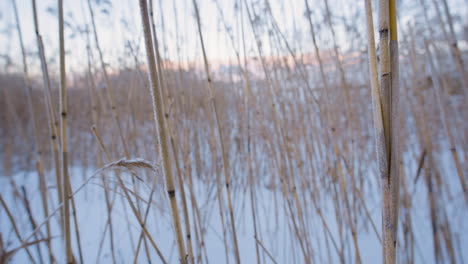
(114, 34)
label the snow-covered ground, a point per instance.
(274, 225)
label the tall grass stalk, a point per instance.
(94, 116)
(109, 88)
(167, 115)
(158, 111)
(63, 137)
(288, 185)
(51, 116)
(39, 163)
(443, 111)
(250, 143)
(455, 50)
(220, 136)
(389, 95)
(16, 229)
(129, 199)
(32, 221)
(444, 116)
(112, 102)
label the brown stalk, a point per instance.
(158, 110)
(220, 137)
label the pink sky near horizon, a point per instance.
(113, 34)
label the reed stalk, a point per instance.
(109, 88)
(220, 136)
(167, 115)
(64, 142)
(129, 199)
(456, 53)
(388, 153)
(287, 181)
(16, 229)
(39, 162)
(94, 116)
(444, 116)
(51, 114)
(157, 100)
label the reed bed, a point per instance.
(234, 132)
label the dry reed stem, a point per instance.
(448, 131)
(53, 129)
(128, 164)
(108, 84)
(63, 137)
(15, 228)
(167, 115)
(287, 185)
(389, 95)
(157, 100)
(455, 50)
(266, 250)
(35, 128)
(250, 144)
(32, 221)
(109, 204)
(220, 137)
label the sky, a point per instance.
(118, 22)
